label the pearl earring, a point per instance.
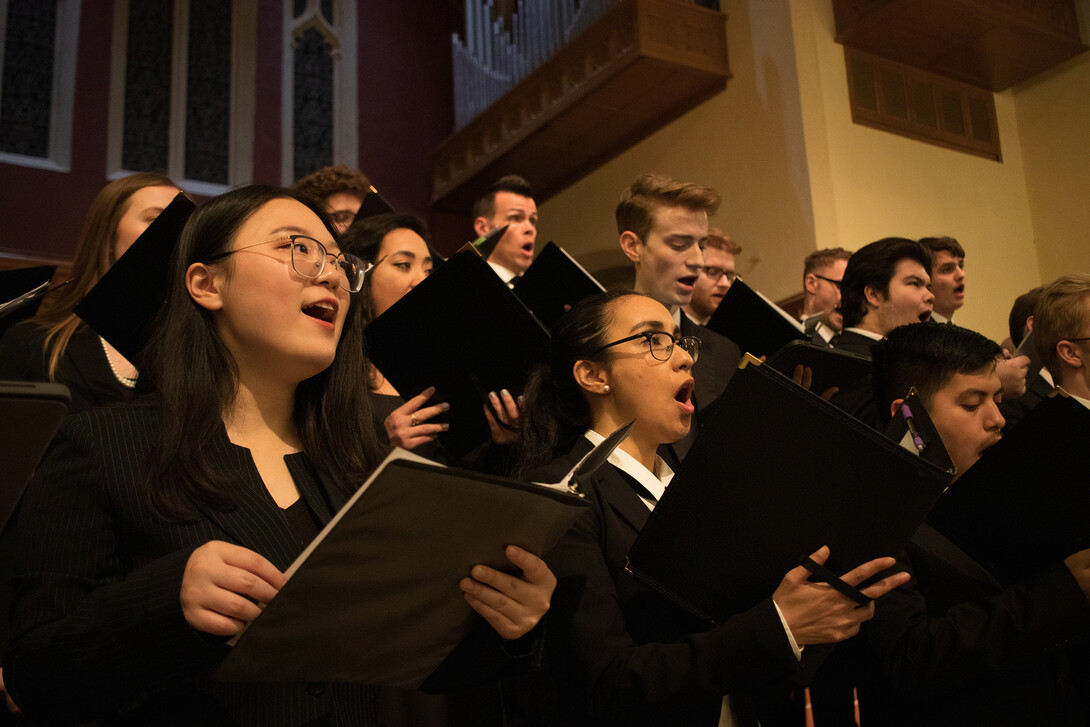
(605, 389)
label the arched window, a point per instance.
(39, 40)
(319, 94)
(182, 91)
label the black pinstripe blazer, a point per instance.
(97, 626)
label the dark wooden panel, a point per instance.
(992, 44)
(643, 64)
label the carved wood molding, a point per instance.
(991, 44)
(644, 63)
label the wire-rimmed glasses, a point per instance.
(308, 258)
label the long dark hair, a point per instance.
(554, 410)
(94, 256)
(364, 239)
(196, 378)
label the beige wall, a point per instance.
(746, 142)
(1054, 127)
(796, 174)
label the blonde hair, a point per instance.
(1060, 315)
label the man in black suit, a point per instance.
(663, 227)
(1061, 332)
(508, 201)
(952, 646)
(822, 271)
(885, 285)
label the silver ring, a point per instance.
(412, 420)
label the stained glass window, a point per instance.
(208, 93)
(26, 102)
(313, 103)
(146, 126)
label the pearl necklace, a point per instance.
(127, 382)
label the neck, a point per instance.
(261, 414)
(809, 309)
(638, 444)
(702, 320)
(870, 323)
(1074, 382)
(947, 313)
(642, 289)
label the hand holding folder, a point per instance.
(375, 598)
(775, 473)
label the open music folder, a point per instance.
(554, 282)
(1025, 504)
(464, 332)
(30, 413)
(375, 598)
(828, 366)
(754, 322)
(22, 291)
(775, 474)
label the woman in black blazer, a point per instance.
(153, 530)
(621, 653)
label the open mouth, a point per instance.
(528, 249)
(959, 290)
(684, 396)
(323, 310)
(925, 316)
(688, 281)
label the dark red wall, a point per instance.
(405, 110)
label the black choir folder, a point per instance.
(464, 332)
(755, 323)
(1025, 504)
(375, 598)
(828, 366)
(30, 413)
(775, 474)
(123, 304)
(553, 281)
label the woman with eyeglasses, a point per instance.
(399, 248)
(155, 530)
(57, 345)
(621, 653)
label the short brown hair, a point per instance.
(1059, 315)
(328, 181)
(722, 241)
(821, 258)
(635, 212)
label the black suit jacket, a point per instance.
(714, 367)
(83, 368)
(624, 654)
(1015, 410)
(956, 649)
(854, 343)
(97, 627)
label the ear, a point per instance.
(482, 226)
(631, 246)
(894, 406)
(1070, 355)
(204, 286)
(810, 283)
(591, 376)
(873, 296)
(1029, 324)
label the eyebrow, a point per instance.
(656, 325)
(409, 253)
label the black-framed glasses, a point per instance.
(715, 273)
(661, 344)
(827, 280)
(308, 258)
(1072, 340)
